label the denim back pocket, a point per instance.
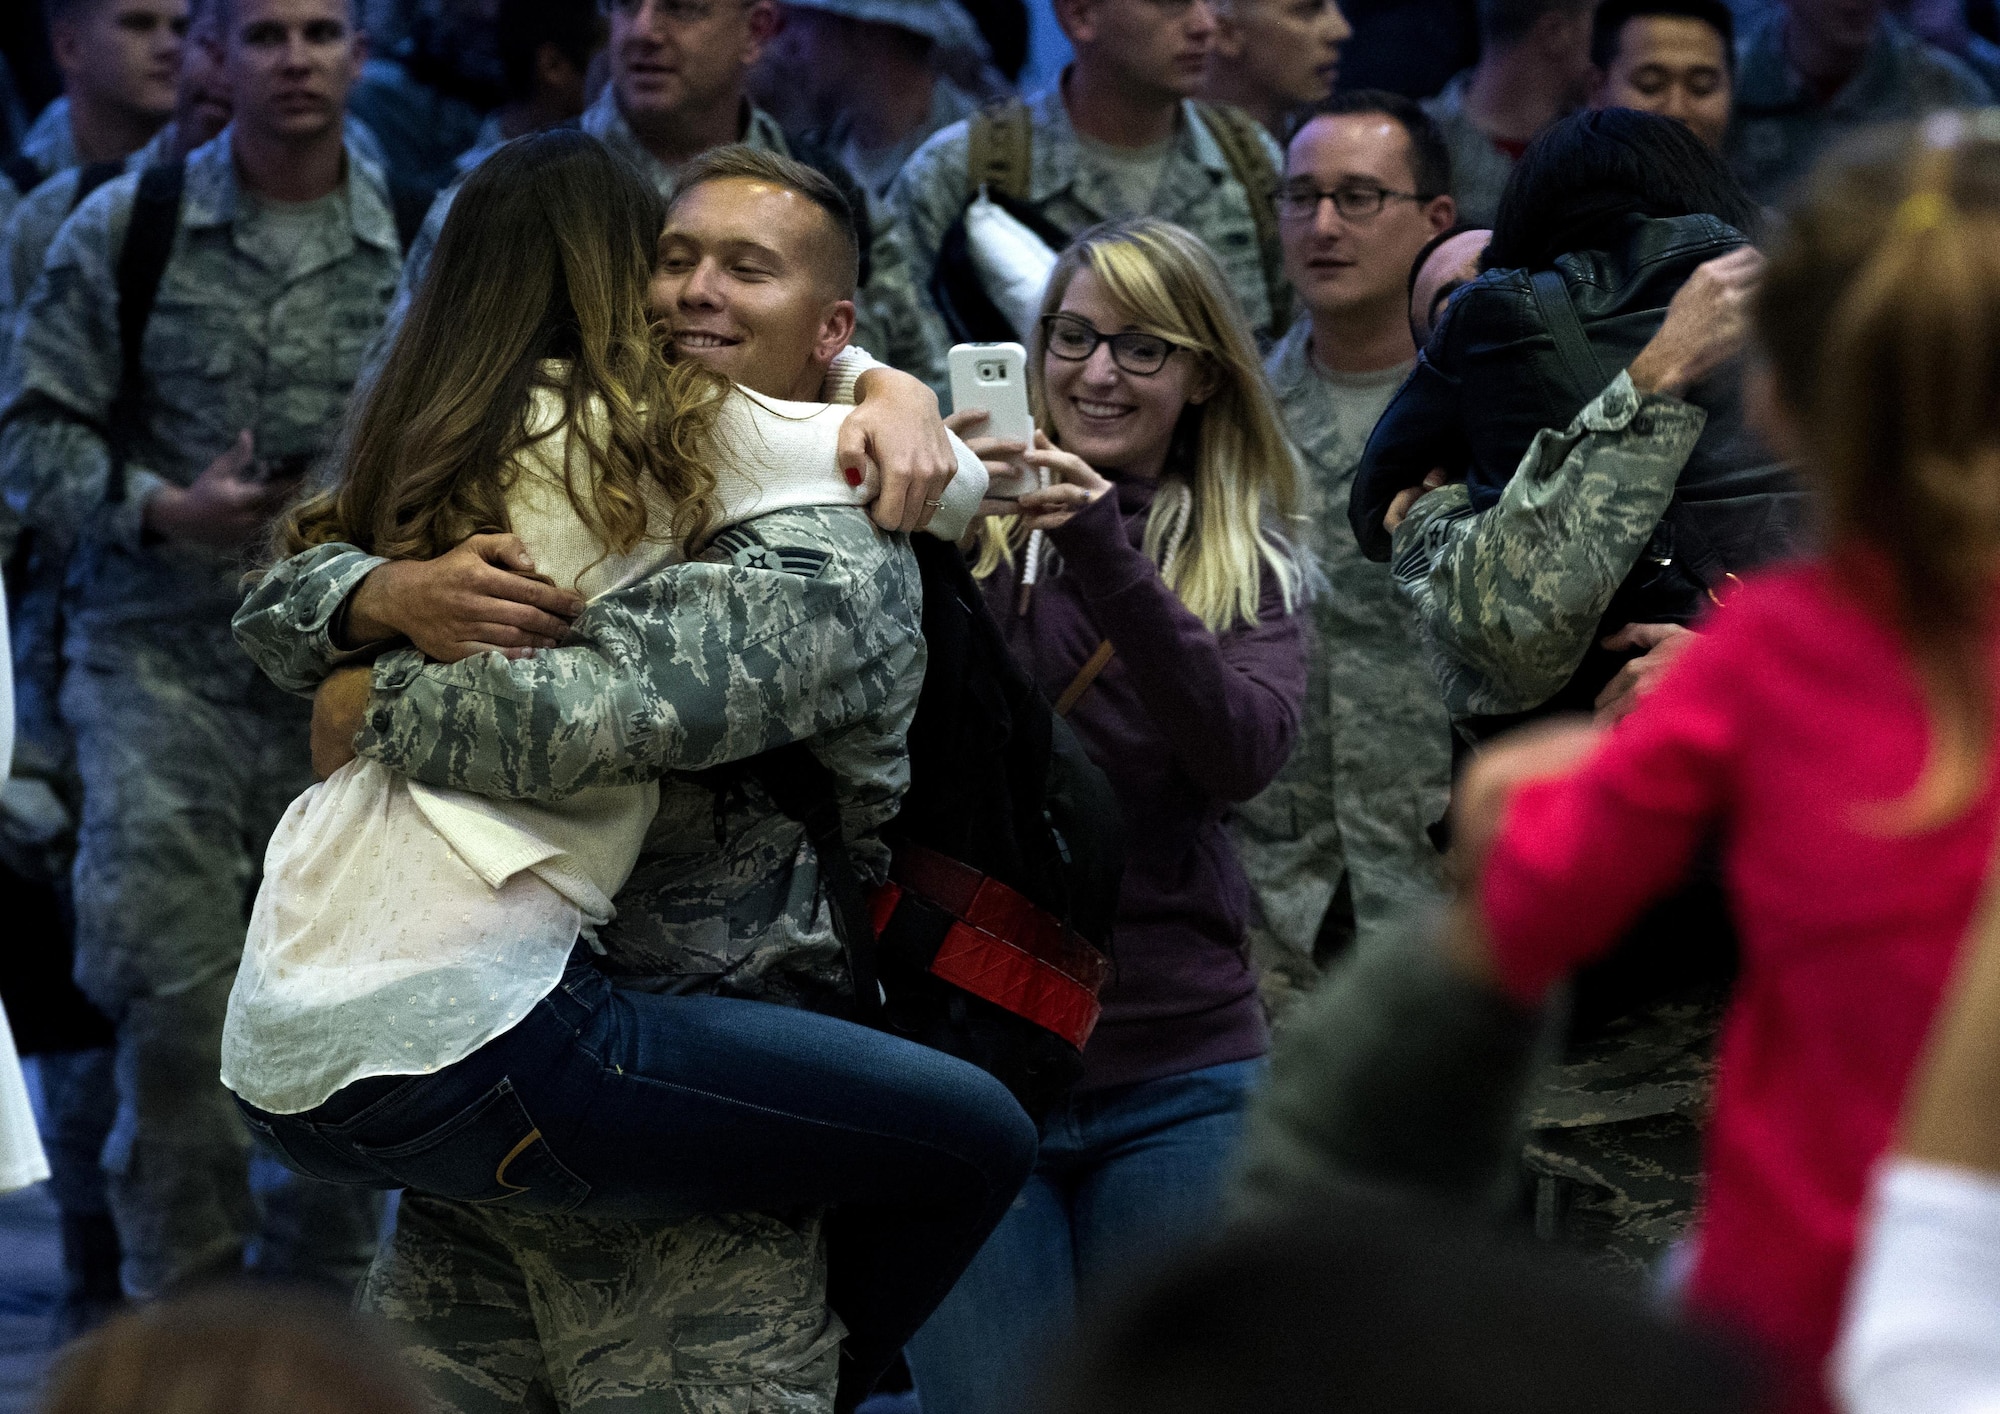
(489, 1152)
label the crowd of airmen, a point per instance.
(143, 451)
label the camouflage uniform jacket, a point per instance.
(1373, 765)
(1197, 190)
(1510, 599)
(800, 624)
(1779, 129)
(252, 329)
(25, 236)
(892, 320)
(50, 144)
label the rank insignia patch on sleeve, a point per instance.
(746, 549)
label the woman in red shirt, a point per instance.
(1832, 727)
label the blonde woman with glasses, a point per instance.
(1150, 589)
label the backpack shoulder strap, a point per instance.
(1000, 151)
(24, 172)
(90, 178)
(1239, 137)
(149, 244)
(1573, 347)
(802, 786)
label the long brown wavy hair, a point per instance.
(1880, 318)
(546, 255)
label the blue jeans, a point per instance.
(621, 1104)
(1126, 1177)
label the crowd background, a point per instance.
(1330, 570)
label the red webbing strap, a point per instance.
(1003, 948)
(993, 907)
(995, 969)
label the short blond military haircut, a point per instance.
(739, 161)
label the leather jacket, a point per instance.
(1506, 361)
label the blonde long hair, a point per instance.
(546, 255)
(1880, 315)
(1231, 468)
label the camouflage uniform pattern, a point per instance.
(1779, 128)
(187, 759)
(33, 615)
(892, 319)
(1337, 846)
(1196, 190)
(506, 1313)
(802, 623)
(1614, 1142)
(1510, 600)
(52, 146)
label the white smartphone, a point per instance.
(994, 379)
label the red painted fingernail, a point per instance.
(853, 475)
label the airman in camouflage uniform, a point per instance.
(801, 624)
(1509, 600)
(1782, 121)
(1338, 844)
(891, 319)
(188, 757)
(1071, 190)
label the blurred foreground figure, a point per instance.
(233, 1351)
(1368, 1307)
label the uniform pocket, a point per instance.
(489, 1152)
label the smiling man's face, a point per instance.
(743, 284)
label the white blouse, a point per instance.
(401, 926)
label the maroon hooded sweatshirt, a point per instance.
(1186, 723)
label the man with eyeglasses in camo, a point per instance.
(1337, 846)
(679, 70)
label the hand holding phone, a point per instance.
(993, 378)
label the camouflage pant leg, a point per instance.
(1287, 976)
(508, 1312)
(454, 1299)
(1614, 1151)
(721, 1314)
(1624, 1193)
(178, 785)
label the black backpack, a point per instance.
(992, 938)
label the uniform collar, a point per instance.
(1289, 365)
(51, 142)
(1194, 166)
(212, 196)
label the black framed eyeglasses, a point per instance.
(1300, 201)
(1073, 339)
